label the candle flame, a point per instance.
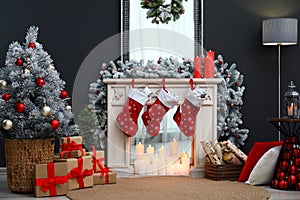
(174, 140)
(140, 143)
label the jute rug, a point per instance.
(173, 188)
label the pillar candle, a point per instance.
(139, 150)
(155, 165)
(209, 67)
(170, 169)
(162, 153)
(174, 148)
(186, 165)
(162, 167)
(150, 151)
(197, 67)
(139, 167)
(211, 54)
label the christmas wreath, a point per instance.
(161, 12)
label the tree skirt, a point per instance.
(163, 188)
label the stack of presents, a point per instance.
(73, 168)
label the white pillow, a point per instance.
(264, 169)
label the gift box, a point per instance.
(51, 179)
(105, 178)
(98, 159)
(71, 147)
(80, 172)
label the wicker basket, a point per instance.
(21, 155)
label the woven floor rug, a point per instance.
(173, 188)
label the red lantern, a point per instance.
(283, 184)
(292, 169)
(6, 96)
(20, 107)
(31, 45)
(292, 179)
(63, 94)
(19, 62)
(40, 82)
(54, 123)
(283, 165)
(275, 183)
(280, 175)
(287, 155)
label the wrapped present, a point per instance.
(105, 177)
(51, 179)
(80, 172)
(71, 147)
(98, 159)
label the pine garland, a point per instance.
(161, 12)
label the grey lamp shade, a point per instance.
(280, 31)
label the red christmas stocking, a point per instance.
(185, 116)
(127, 119)
(154, 113)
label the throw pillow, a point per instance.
(257, 151)
(264, 169)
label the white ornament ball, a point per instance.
(3, 84)
(46, 111)
(51, 67)
(7, 124)
(26, 71)
(69, 108)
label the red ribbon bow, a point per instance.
(51, 182)
(96, 161)
(79, 174)
(69, 147)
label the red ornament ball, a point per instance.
(283, 184)
(280, 175)
(275, 183)
(54, 123)
(6, 96)
(158, 61)
(292, 179)
(19, 62)
(298, 186)
(31, 45)
(292, 169)
(20, 107)
(63, 94)
(283, 165)
(147, 1)
(287, 155)
(296, 152)
(236, 84)
(40, 82)
(293, 139)
(297, 163)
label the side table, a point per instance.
(287, 172)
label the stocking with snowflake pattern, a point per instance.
(185, 116)
(127, 119)
(155, 112)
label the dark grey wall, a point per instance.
(69, 30)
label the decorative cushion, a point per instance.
(257, 151)
(264, 169)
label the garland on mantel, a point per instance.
(230, 91)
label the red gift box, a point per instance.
(51, 179)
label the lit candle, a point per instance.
(197, 67)
(186, 165)
(139, 150)
(178, 169)
(211, 54)
(170, 169)
(162, 153)
(155, 165)
(292, 109)
(174, 148)
(162, 168)
(150, 151)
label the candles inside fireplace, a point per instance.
(161, 163)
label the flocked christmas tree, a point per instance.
(230, 93)
(34, 103)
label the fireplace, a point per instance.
(119, 146)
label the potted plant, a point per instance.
(34, 109)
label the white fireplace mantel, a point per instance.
(119, 145)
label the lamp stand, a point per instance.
(279, 90)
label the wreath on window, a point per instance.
(161, 12)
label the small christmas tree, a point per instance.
(230, 93)
(34, 103)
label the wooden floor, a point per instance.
(6, 194)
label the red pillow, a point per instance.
(257, 151)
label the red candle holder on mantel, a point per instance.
(287, 171)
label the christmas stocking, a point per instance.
(154, 113)
(127, 119)
(185, 116)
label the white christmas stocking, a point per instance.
(154, 113)
(185, 116)
(127, 119)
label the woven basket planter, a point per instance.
(21, 156)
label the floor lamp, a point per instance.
(279, 31)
